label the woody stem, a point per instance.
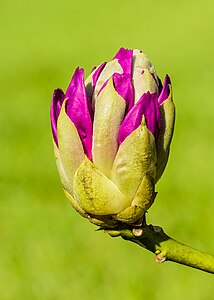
(154, 239)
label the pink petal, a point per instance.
(97, 73)
(56, 104)
(123, 82)
(165, 90)
(78, 108)
(147, 106)
(124, 57)
(123, 85)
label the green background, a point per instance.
(49, 252)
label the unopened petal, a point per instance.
(79, 110)
(165, 90)
(91, 80)
(97, 72)
(123, 86)
(109, 112)
(140, 62)
(144, 76)
(123, 82)
(95, 193)
(167, 110)
(56, 104)
(124, 57)
(110, 68)
(148, 106)
(144, 82)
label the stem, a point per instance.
(165, 248)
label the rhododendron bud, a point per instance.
(111, 135)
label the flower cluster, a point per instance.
(112, 134)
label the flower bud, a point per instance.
(112, 136)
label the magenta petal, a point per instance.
(123, 85)
(56, 104)
(124, 57)
(78, 108)
(123, 82)
(147, 106)
(97, 73)
(165, 90)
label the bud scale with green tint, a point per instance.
(111, 135)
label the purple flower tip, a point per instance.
(97, 73)
(147, 106)
(123, 82)
(123, 86)
(124, 57)
(165, 90)
(57, 100)
(78, 109)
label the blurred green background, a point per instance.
(47, 251)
